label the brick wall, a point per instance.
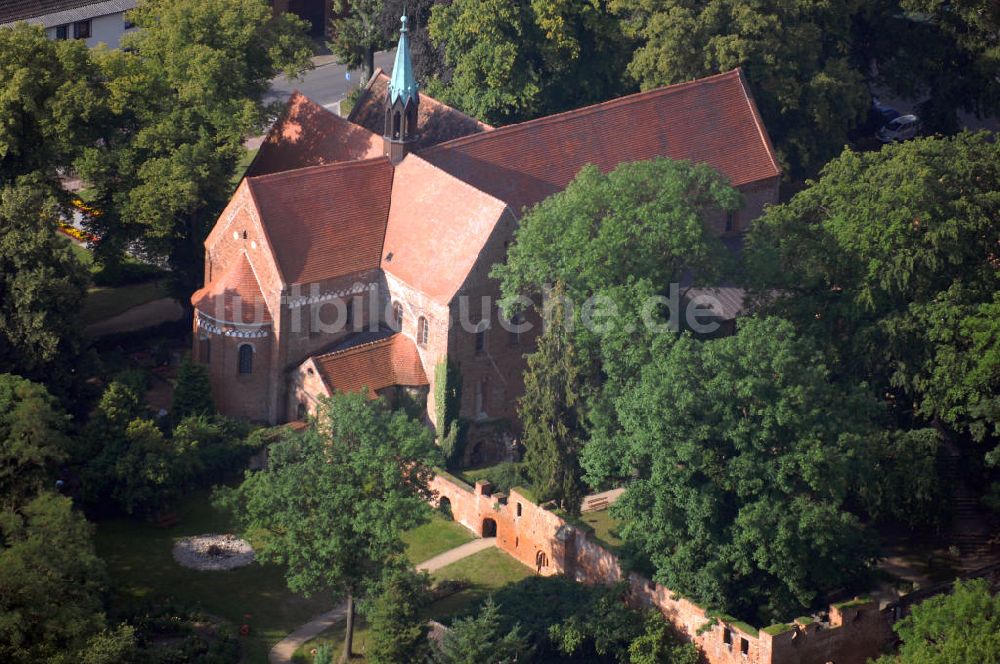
(532, 535)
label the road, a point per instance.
(327, 83)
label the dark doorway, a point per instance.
(541, 560)
(444, 507)
(489, 528)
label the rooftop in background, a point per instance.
(712, 120)
(50, 13)
(436, 122)
(307, 134)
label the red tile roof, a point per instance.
(326, 221)
(436, 122)
(309, 135)
(712, 120)
(234, 297)
(376, 365)
(437, 228)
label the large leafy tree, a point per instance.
(182, 95)
(552, 413)
(33, 439)
(513, 61)
(890, 260)
(743, 454)
(41, 286)
(796, 55)
(359, 32)
(428, 58)
(334, 501)
(50, 582)
(643, 220)
(961, 627)
(49, 102)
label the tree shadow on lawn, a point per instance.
(141, 566)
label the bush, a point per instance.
(193, 392)
(324, 654)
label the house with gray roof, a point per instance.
(101, 22)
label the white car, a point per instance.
(899, 129)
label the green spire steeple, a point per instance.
(403, 84)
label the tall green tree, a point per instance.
(398, 633)
(42, 286)
(33, 439)
(358, 33)
(193, 392)
(334, 501)
(512, 61)
(760, 453)
(145, 471)
(890, 261)
(962, 627)
(427, 57)
(552, 412)
(51, 582)
(183, 93)
(643, 220)
(796, 55)
(480, 640)
(51, 98)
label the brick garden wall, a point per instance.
(544, 541)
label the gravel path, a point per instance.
(282, 651)
(137, 318)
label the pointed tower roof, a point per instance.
(403, 84)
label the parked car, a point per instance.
(902, 128)
(884, 112)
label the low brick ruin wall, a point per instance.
(544, 541)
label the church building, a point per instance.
(356, 252)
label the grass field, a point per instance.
(103, 303)
(486, 572)
(605, 527)
(141, 565)
(434, 537)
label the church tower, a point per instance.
(403, 102)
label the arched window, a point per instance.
(482, 390)
(411, 120)
(422, 332)
(397, 315)
(481, 339)
(395, 125)
(302, 412)
(246, 359)
(206, 350)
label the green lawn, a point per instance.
(486, 571)
(141, 565)
(82, 253)
(605, 527)
(103, 303)
(436, 536)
